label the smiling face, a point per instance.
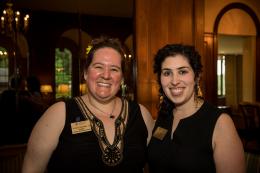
(177, 80)
(104, 74)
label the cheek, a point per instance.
(164, 81)
(190, 81)
(91, 75)
(118, 79)
(90, 79)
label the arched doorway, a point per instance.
(253, 16)
(76, 41)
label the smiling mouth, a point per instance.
(176, 91)
(102, 84)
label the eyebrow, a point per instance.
(179, 68)
(99, 63)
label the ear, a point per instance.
(85, 75)
(122, 81)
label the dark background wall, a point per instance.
(44, 35)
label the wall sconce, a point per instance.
(3, 53)
(46, 89)
(128, 57)
(63, 88)
(83, 88)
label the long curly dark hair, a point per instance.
(193, 58)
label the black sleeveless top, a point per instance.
(190, 149)
(78, 153)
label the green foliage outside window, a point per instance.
(3, 58)
(4, 66)
(63, 73)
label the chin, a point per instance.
(178, 102)
(105, 97)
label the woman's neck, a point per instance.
(187, 109)
(105, 108)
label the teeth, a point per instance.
(177, 91)
(103, 84)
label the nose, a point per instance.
(175, 79)
(106, 73)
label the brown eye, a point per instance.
(166, 73)
(114, 69)
(182, 72)
(98, 67)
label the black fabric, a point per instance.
(190, 149)
(81, 152)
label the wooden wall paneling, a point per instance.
(156, 24)
(159, 36)
(209, 75)
(142, 48)
(181, 21)
(257, 73)
(151, 33)
(198, 22)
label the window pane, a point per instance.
(63, 73)
(221, 70)
(219, 76)
(4, 69)
(223, 76)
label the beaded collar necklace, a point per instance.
(112, 154)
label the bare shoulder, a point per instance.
(144, 109)
(52, 121)
(224, 128)
(44, 138)
(225, 122)
(148, 119)
(227, 146)
(58, 108)
(145, 113)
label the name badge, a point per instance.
(80, 127)
(160, 133)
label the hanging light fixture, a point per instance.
(12, 24)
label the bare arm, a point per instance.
(44, 139)
(149, 122)
(227, 146)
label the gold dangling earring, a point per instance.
(123, 88)
(161, 99)
(200, 94)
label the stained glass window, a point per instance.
(63, 73)
(4, 69)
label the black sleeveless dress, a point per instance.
(190, 149)
(78, 153)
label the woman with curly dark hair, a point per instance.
(190, 135)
